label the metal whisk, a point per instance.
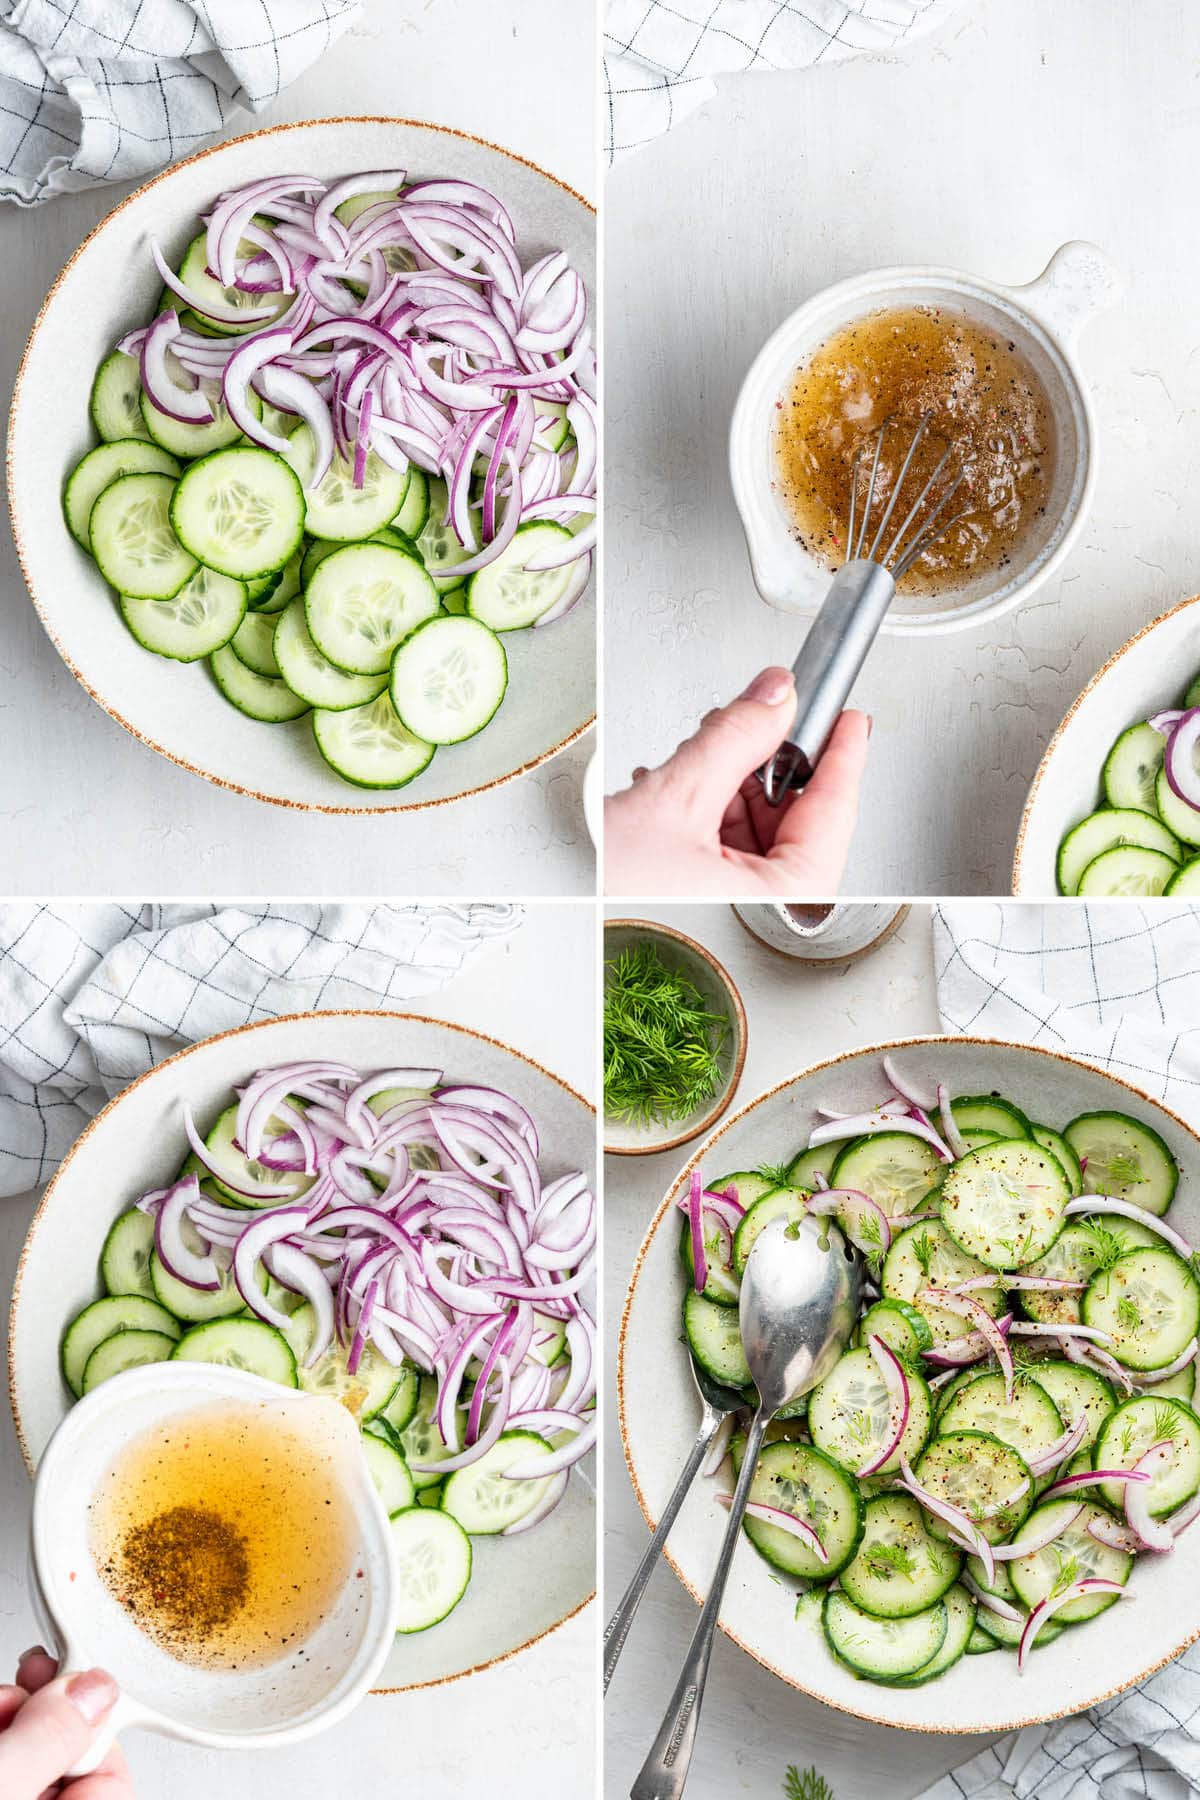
(861, 592)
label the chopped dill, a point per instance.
(805, 1784)
(885, 1560)
(663, 1045)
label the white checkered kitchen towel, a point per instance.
(93, 995)
(107, 90)
(1119, 984)
(661, 56)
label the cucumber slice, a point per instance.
(1082, 1247)
(1057, 1145)
(1180, 1386)
(1128, 1434)
(432, 1556)
(272, 593)
(362, 601)
(506, 594)
(481, 1498)
(850, 1412)
(115, 400)
(1126, 873)
(987, 1479)
(260, 697)
(448, 679)
(1074, 1555)
(979, 1642)
(745, 1185)
(414, 509)
(988, 1112)
(803, 1169)
(337, 509)
(1106, 830)
(900, 1326)
(195, 1306)
(721, 1284)
(807, 1484)
(926, 1256)
(420, 1438)
(1125, 1159)
(715, 1338)
(367, 1392)
(125, 1350)
(999, 1629)
(124, 1312)
(1149, 1304)
(402, 1405)
(125, 1258)
(960, 1628)
(882, 1649)
(897, 1171)
(133, 542)
(1004, 1204)
(184, 439)
(203, 615)
(1075, 1390)
(311, 676)
(99, 469)
(240, 511)
(898, 1568)
(777, 1203)
(248, 1177)
(437, 541)
(389, 1472)
(1131, 768)
(240, 1344)
(1029, 1424)
(253, 643)
(369, 746)
(1178, 817)
(1185, 883)
(195, 275)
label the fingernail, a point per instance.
(92, 1694)
(771, 687)
(34, 1650)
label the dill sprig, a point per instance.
(806, 1784)
(662, 1044)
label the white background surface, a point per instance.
(754, 1725)
(484, 1735)
(84, 808)
(1021, 124)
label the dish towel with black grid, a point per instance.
(92, 996)
(661, 57)
(108, 90)
(1118, 984)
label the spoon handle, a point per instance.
(665, 1770)
(617, 1629)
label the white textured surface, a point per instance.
(754, 1725)
(83, 807)
(1018, 126)
(521, 1731)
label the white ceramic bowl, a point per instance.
(522, 1587)
(1141, 678)
(108, 286)
(1043, 319)
(657, 1404)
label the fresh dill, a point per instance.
(1128, 1315)
(885, 1560)
(776, 1173)
(1167, 1422)
(1105, 1247)
(805, 1784)
(1122, 1168)
(1068, 1572)
(924, 1248)
(663, 1045)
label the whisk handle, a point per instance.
(826, 669)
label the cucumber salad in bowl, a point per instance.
(352, 450)
(386, 1240)
(1013, 1422)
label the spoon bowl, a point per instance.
(798, 1304)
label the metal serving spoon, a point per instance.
(716, 1404)
(799, 1300)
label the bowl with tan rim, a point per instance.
(657, 1410)
(521, 1587)
(1145, 676)
(108, 287)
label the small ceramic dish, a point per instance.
(1143, 677)
(623, 1138)
(109, 286)
(317, 1684)
(522, 1587)
(657, 1410)
(1043, 320)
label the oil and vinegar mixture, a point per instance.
(225, 1534)
(900, 364)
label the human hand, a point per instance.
(46, 1725)
(701, 824)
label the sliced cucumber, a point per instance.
(389, 1472)
(196, 277)
(362, 601)
(803, 1169)
(448, 679)
(336, 508)
(1075, 1390)
(1185, 883)
(272, 593)
(248, 1177)
(414, 509)
(1125, 1159)
(898, 1568)
(248, 1344)
(777, 1203)
(115, 402)
(1107, 830)
(260, 697)
(960, 1628)
(988, 1112)
(1131, 768)
(311, 676)
(999, 1629)
(979, 1642)
(437, 540)
(195, 1306)
(240, 511)
(203, 615)
(420, 1438)
(721, 1284)
(369, 746)
(1149, 1304)
(1074, 1554)
(1004, 1204)
(1029, 1423)
(715, 1338)
(133, 542)
(900, 1325)
(100, 1320)
(125, 1258)
(506, 594)
(883, 1649)
(895, 1169)
(745, 1185)
(805, 1483)
(432, 1557)
(850, 1414)
(125, 1350)
(99, 469)
(1178, 817)
(481, 1497)
(1082, 1247)
(1057, 1145)
(253, 643)
(1127, 872)
(926, 1256)
(986, 1479)
(402, 1405)
(184, 439)
(1131, 1430)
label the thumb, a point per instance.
(52, 1731)
(731, 743)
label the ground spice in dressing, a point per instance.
(182, 1574)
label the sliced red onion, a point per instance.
(994, 1603)
(544, 1507)
(950, 1131)
(1101, 1203)
(961, 1352)
(907, 1088)
(1028, 1328)
(978, 1315)
(867, 1124)
(249, 357)
(1045, 1609)
(782, 1521)
(1091, 1478)
(971, 1537)
(862, 1219)
(1113, 1535)
(896, 1381)
(1154, 1533)
(180, 1261)
(1165, 722)
(1049, 1284)
(1062, 1450)
(1038, 1540)
(1186, 1515)
(204, 1155)
(1152, 1377)
(1181, 760)
(207, 307)
(298, 1271)
(190, 405)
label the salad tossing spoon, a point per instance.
(799, 1299)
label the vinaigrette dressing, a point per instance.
(900, 363)
(225, 1534)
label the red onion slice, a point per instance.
(1091, 1478)
(1182, 759)
(971, 1537)
(1155, 1535)
(195, 1271)
(866, 1124)
(1062, 1450)
(896, 1381)
(1101, 1203)
(908, 1090)
(1038, 1541)
(978, 1315)
(1045, 1609)
(782, 1521)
